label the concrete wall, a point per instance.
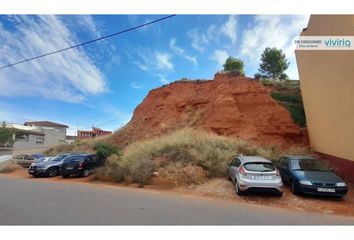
(31, 143)
(327, 85)
(53, 136)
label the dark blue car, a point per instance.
(310, 175)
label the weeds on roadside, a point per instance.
(184, 149)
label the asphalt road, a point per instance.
(37, 202)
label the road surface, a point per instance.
(38, 202)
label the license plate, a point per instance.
(263, 177)
(331, 190)
(69, 168)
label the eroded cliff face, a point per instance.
(229, 105)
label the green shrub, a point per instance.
(104, 150)
(297, 114)
(286, 97)
(234, 65)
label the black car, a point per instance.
(79, 164)
(310, 175)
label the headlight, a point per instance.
(341, 184)
(304, 182)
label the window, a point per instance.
(91, 159)
(309, 165)
(21, 137)
(28, 157)
(259, 167)
(40, 140)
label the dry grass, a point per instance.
(179, 152)
(10, 167)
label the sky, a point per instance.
(101, 83)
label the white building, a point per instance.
(38, 134)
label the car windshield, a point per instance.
(41, 159)
(259, 167)
(308, 165)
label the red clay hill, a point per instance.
(229, 105)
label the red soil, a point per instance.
(229, 105)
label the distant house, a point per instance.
(23, 138)
(70, 139)
(55, 133)
(36, 135)
(90, 134)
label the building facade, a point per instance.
(55, 133)
(90, 134)
(327, 85)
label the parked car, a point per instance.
(254, 174)
(80, 164)
(49, 166)
(38, 155)
(25, 160)
(309, 175)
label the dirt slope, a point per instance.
(229, 105)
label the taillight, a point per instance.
(241, 170)
(81, 166)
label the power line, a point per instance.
(88, 42)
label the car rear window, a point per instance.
(74, 159)
(259, 167)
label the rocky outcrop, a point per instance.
(229, 105)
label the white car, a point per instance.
(254, 174)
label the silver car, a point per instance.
(49, 166)
(254, 174)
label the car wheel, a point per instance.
(85, 173)
(65, 175)
(280, 194)
(293, 188)
(238, 191)
(52, 172)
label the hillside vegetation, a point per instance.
(288, 94)
(185, 156)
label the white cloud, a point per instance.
(181, 52)
(162, 79)
(87, 22)
(163, 61)
(192, 59)
(136, 85)
(141, 66)
(220, 56)
(199, 40)
(229, 28)
(178, 50)
(201, 37)
(68, 76)
(272, 31)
